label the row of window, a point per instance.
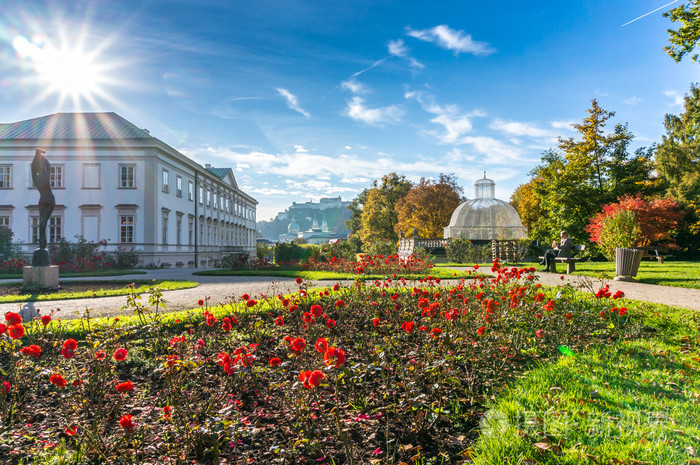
(126, 230)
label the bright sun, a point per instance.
(72, 73)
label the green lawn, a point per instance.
(629, 402)
(140, 287)
(436, 272)
(80, 275)
(669, 273)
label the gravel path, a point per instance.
(221, 288)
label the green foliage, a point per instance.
(428, 206)
(684, 40)
(573, 182)
(379, 247)
(619, 230)
(8, 249)
(374, 215)
(340, 249)
(678, 163)
(288, 252)
(462, 250)
(125, 259)
(263, 251)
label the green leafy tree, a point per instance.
(678, 160)
(684, 40)
(428, 206)
(582, 174)
(618, 230)
(374, 216)
(8, 249)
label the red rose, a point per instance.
(298, 345)
(299, 280)
(251, 303)
(211, 320)
(167, 411)
(340, 304)
(279, 321)
(71, 431)
(408, 326)
(330, 323)
(481, 331)
(13, 318)
(67, 353)
(70, 344)
(435, 332)
(100, 355)
(568, 316)
(275, 361)
(623, 311)
(200, 302)
(120, 354)
(16, 331)
(126, 386)
(245, 297)
(34, 351)
(58, 380)
(539, 333)
(316, 310)
(311, 379)
(126, 423)
(3, 328)
(45, 320)
(5, 387)
(334, 356)
(376, 322)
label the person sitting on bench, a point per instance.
(562, 249)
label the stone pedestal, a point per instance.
(40, 278)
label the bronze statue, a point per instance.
(41, 174)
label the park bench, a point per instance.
(660, 254)
(570, 261)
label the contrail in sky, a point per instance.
(647, 14)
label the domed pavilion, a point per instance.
(485, 218)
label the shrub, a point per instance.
(380, 248)
(79, 256)
(237, 261)
(125, 259)
(621, 229)
(462, 250)
(290, 252)
(340, 249)
(8, 249)
(263, 251)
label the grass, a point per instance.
(634, 401)
(670, 273)
(141, 286)
(81, 274)
(326, 275)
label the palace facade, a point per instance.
(114, 181)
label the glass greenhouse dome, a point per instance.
(485, 218)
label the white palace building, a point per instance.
(113, 181)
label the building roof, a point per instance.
(218, 172)
(70, 126)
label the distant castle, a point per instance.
(302, 220)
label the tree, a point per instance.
(8, 249)
(685, 39)
(428, 206)
(529, 207)
(678, 159)
(658, 219)
(377, 217)
(574, 181)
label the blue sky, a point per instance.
(306, 99)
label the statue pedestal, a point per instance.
(40, 278)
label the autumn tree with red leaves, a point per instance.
(658, 219)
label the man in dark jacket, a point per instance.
(562, 249)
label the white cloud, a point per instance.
(292, 101)
(634, 100)
(678, 99)
(455, 124)
(398, 48)
(449, 39)
(496, 151)
(563, 125)
(357, 110)
(347, 147)
(354, 86)
(300, 149)
(517, 128)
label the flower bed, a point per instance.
(387, 371)
(371, 264)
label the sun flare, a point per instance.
(69, 72)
